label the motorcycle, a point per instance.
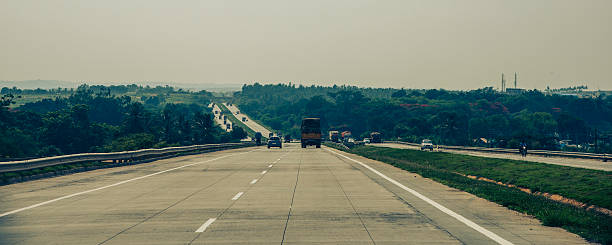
(523, 151)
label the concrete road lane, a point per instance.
(256, 196)
(249, 123)
(219, 121)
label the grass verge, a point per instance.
(580, 184)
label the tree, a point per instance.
(238, 133)
(135, 120)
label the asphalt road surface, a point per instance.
(259, 196)
(564, 161)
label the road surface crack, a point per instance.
(352, 205)
(297, 178)
(164, 210)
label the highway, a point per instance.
(249, 123)
(570, 162)
(219, 121)
(259, 196)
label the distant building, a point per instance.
(515, 90)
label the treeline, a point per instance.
(110, 89)
(91, 120)
(478, 117)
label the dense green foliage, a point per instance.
(588, 185)
(447, 117)
(95, 119)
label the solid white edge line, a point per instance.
(237, 196)
(205, 225)
(451, 213)
(253, 181)
(112, 185)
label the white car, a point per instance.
(426, 144)
(366, 140)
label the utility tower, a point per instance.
(515, 80)
(503, 83)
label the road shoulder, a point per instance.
(515, 227)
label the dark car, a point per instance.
(258, 138)
(275, 141)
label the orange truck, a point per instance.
(311, 132)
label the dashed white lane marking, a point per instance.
(237, 196)
(264, 172)
(253, 181)
(205, 225)
(457, 216)
(269, 166)
(112, 185)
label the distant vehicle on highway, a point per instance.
(334, 136)
(345, 135)
(270, 135)
(376, 137)
(350, 142)
(427, 144)
(366, 141)
(287, 138)
(216, 112)
(244, 119)
(257, 138)
(311, 132)
(275, 141)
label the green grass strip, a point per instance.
(579, 184)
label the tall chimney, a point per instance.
(515, 80)
(503, 83)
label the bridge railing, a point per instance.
(112, 156)
(584, 155)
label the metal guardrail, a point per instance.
(110, 156)
(584, 155)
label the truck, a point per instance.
(345, 135)
(258, 138)
(334, 136)
(375, 137)
(311, 132)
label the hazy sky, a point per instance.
(454, 44)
